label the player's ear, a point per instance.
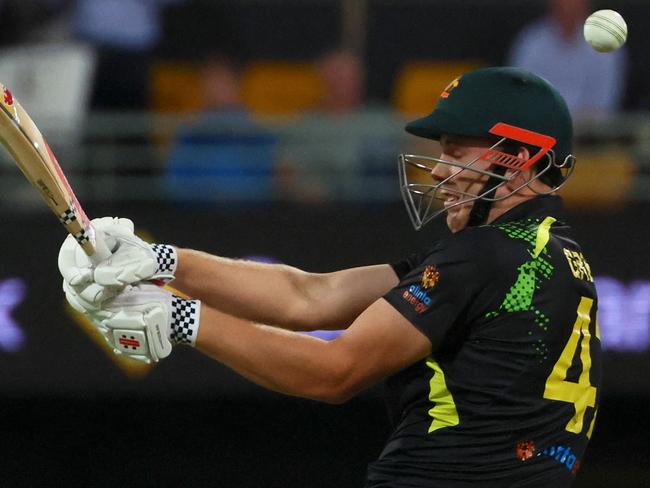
(523, 153)
(516, 177)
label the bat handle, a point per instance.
(103, 247)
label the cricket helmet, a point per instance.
(511, 106)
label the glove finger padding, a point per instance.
(73, 299)
(88, 298)
(77, 269)
(74, 265)
(135, 260)
(131, 262)
(88, 309)
(125, 266)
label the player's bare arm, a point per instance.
(379, 343)
(274, 294)
(281, 295)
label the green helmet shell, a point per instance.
(473, 103)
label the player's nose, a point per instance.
(440, 172)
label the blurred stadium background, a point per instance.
(217, 132)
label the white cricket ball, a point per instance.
(605, 30)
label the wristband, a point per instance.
(166, 259)
(184, 324)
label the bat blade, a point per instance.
(32, 154)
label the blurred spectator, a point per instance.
(554, 48)
(328, 151)
(343, 77)
(223, 155)
(125, 34)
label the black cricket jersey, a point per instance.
(510, 393)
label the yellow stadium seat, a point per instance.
(419, 84)
(176, 87)
(280, 87)
(588, 189)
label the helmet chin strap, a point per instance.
(481, 208)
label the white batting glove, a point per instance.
(133, 260)
(143, 321)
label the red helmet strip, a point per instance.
(528, 137)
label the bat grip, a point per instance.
(103, 247)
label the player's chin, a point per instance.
(457, 218)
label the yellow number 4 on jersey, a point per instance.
(582, 394)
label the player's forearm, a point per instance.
(279, 360)
(266, 293)
(281, 295)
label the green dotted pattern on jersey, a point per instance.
(531, 275)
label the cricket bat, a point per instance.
(32, 154)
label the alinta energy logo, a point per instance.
(564, 456)
(417, 295)
(12, 294)
(526, 450)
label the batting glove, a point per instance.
(133, 260)
(143, 321)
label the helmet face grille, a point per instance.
(423, 194)
(424, 197)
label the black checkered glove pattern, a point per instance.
(184, 325)
(166, 258)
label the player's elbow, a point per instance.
(341, 396)
(340, 384)
(334, 394)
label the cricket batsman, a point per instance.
(487, 340)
